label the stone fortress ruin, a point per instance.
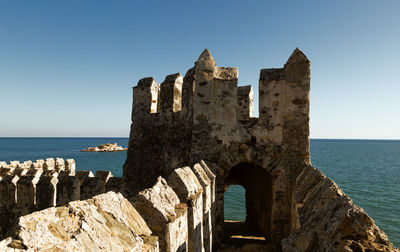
(191, 138)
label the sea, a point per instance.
(366, 170)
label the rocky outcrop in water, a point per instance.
(108, 147)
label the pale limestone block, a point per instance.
(207, 207)
(107, 222)
(185, 184)
(49, 164)
(59, 165)
(70, 166)
(40, 163)
(14, 163)
(167, 218)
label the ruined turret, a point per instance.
(216, 124)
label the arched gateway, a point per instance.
(205, 115)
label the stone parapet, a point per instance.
(330, 221)
(164, 214)
(189, 190)
(30, 186)
(47, 167)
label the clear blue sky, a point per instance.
(67, 67)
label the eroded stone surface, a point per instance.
(265, 155)
(108, 222)
(329, 220)
(204, 115)
(160, 207)
(189, 190)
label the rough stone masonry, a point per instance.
(191, 138)
(205, 115)
(201, 116)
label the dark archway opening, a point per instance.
(253, 224)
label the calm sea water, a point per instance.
(367, 170)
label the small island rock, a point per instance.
(105, 148)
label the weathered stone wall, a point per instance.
(175, 212)
(30, 186)
(189, 191)
(329, 220)
(161, 117)
(207, 116)
(38, 167)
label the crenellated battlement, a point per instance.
(38, 167)
(216, 123)
(209, 92)
(175, 125)
(34, 185)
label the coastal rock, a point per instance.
(105, 148)
(330, 221)
(107, 222)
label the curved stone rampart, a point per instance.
(177, 221)
(330, 221)
(30, 186)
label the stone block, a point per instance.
(245, 98)
(36, 172)
(59, 165)
(70, 166)
(212, 177)
(207, 212)
(46, 192)
(81, 175)
(26, 194)
(68, 189)
(8, 191)
(185, 184)
(92, 186)
(146, 97)
(103, 175)
(7, 170)
(171, 93)
(20, 171)
(107, 222)
(49, 164)
(39, 163)
(164, 214)
(115, 184)
(27, 163)
(14, 163)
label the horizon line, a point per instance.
(311, 138)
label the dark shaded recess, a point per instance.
(258, 184)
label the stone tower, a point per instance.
(205, 115)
